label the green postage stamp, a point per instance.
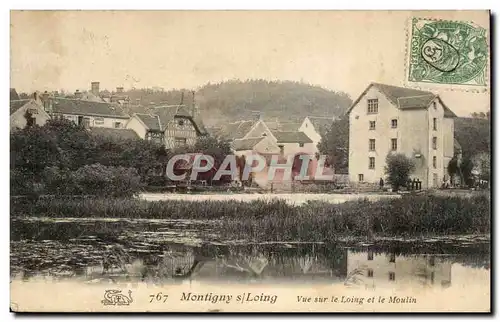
(447, 52)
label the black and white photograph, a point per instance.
(250, 161)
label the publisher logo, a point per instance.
(115, 297)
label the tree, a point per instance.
(335, 144)
(454, 168)
(208, 145)
(482, 163)
(466, 167)
(398, 169)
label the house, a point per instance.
(260, 144)
(257, 136)
(389, 119)
(315, 126)
(172, 125)
(293, 142)
(86, 113)
(27, 111)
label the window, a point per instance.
(118, 125)
(282, 148)
(432, 261)
(392, 276)
(394, 123)
(98, 120)
(372, 106)
(371, 145)
(434, 124)
(180, 122)
(434, 105)
(372, 125)
(86, 122)
(180, 142)
(33, 111)
(371, 164)
(361, 177)
(301, 145)
(394, 144)
(432, 278)
(370, 255)
(392, 258)
(370, 272)
(434, 162)
(434, 142)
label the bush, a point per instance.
(398, 169)
(94, 179)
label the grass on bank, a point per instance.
(278, 221)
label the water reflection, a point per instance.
(140, 252)
(379, 269)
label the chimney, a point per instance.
(45, 96)
(119, 90)
(78, 94)
(35, 96)
(47, 102)
(137, 101)
(182, 98)
(94, 88)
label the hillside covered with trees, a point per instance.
(236, 100)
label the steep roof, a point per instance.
(116, 134)
(291, 137)
(17, 104)
(288, 126)
(166, 113)
(321, 122)
(82, 107)
(150, 120)
(236, 130)
(405, 98)
(13, 94)
(246, 144)
(161, 115)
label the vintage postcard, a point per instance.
(250, 161)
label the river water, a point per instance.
(176, 251)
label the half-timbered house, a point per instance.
(171, 125)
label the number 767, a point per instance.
(158, 297)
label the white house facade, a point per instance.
(87, 113)
(388, 119)
(27, 110)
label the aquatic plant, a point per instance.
(278, 221)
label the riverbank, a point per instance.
(276, 220)
(289, 198)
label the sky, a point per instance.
(337, 50)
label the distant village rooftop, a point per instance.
(82, 107)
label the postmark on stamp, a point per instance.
(447, 52)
